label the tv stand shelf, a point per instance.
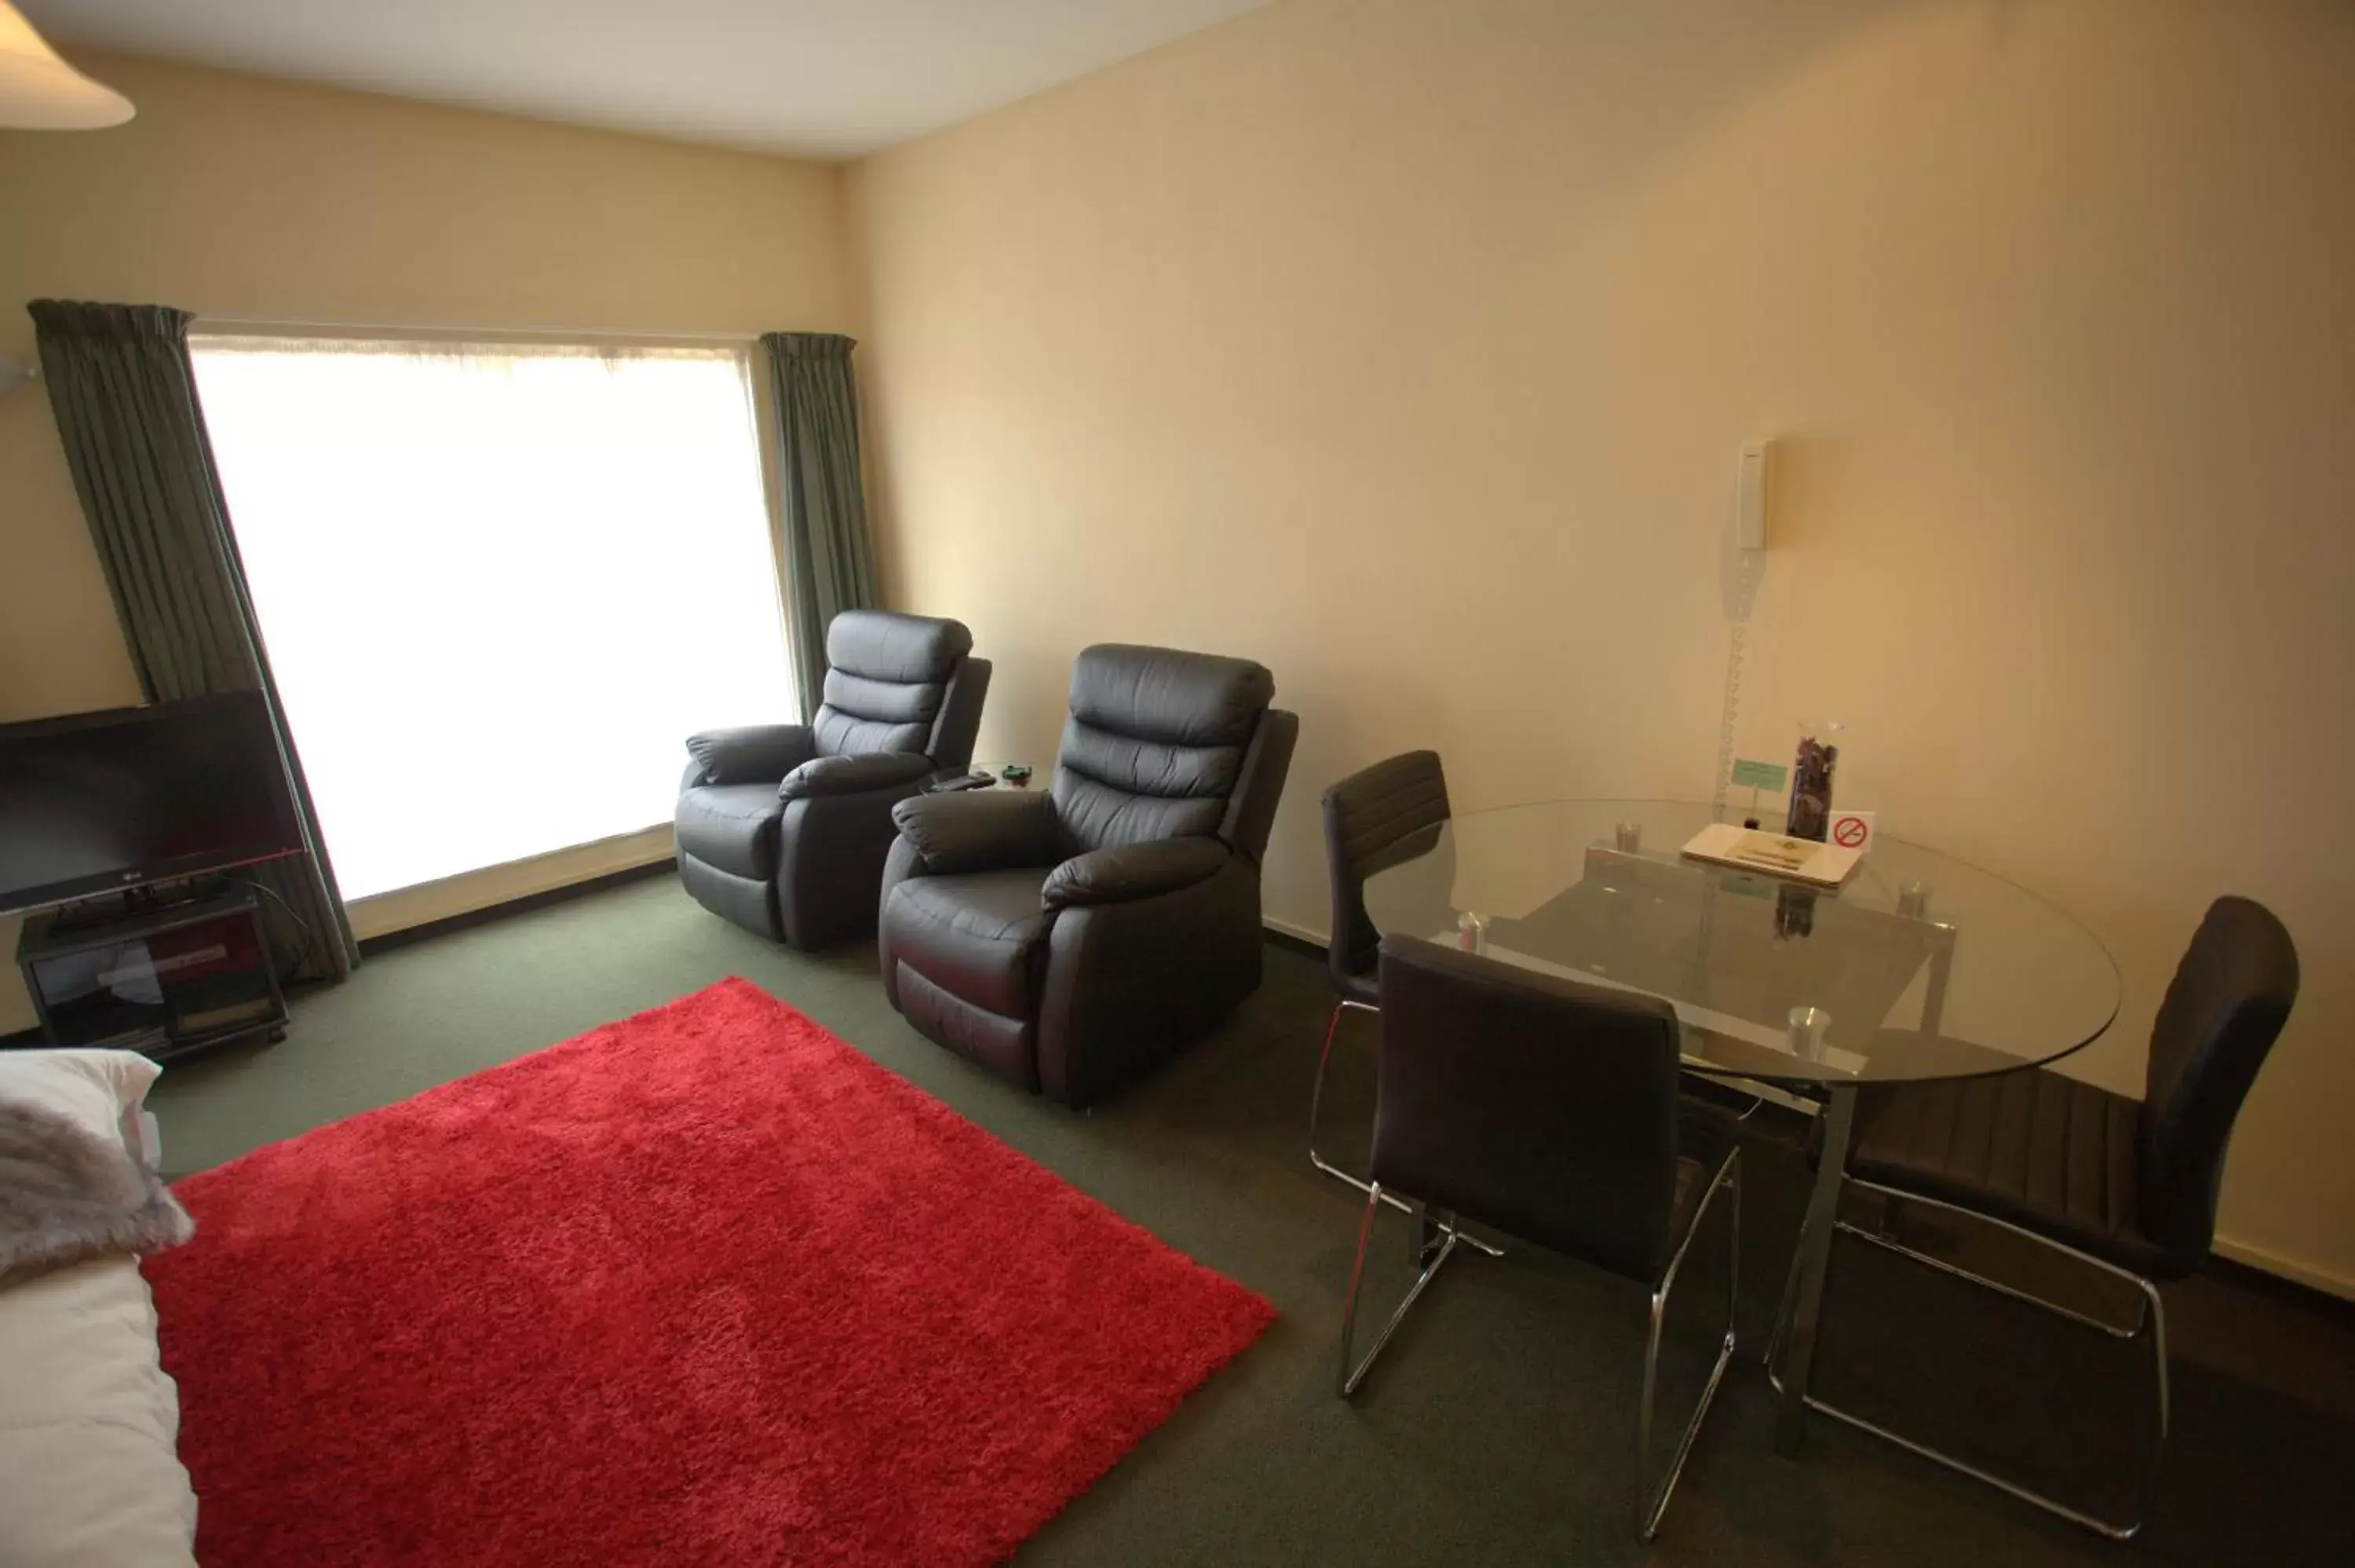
(161, 980)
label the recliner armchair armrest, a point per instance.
(979, 830)
(1130, 872)
(751, 754)
(854, 775)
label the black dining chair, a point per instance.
(1379, 818)
(1546, 1108)
(2127, 1187)
(1376, 817)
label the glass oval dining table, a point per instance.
(1917, 967)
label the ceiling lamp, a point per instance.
(40, 91)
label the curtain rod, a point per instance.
(275, 326)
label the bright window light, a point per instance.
(499, 583)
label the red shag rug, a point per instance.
(702, 1286)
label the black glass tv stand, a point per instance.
(162, 978)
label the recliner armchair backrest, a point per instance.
(1163, 743)
(899, 682)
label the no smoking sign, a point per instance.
(1852, 829)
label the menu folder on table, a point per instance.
(1795, 860)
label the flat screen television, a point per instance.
(99, 802)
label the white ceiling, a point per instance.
(828, 79)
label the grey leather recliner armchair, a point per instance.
(783, 829)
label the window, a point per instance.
(499, 582)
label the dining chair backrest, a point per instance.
(2223, 1011)
(1543, 1107)
(1375, 819)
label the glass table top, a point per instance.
(1917, 967)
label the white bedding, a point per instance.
(89, 1475)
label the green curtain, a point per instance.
(124, 394)
(829, 555)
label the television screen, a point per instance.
(96, 802)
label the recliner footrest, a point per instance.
(1007, 1046)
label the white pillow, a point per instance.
(89, 1474)
(104, 1091)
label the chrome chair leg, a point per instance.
(1316, 1096)
(1352, 1375)
(1316, 1107)
(2157, 1312)
(2152, 1317)
(1652, 1502)
(1890, 1244)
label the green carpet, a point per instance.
(1499, 1427)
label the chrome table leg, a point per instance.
(1428, 1231)
(1804, 1297)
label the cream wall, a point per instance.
(1408, 348)
(239, 195)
